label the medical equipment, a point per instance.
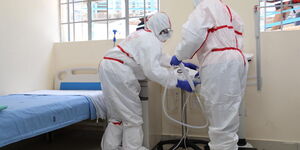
(152, 119)
(115, 39)
(2, 107)
(187, 74)
(184, 73)
(150, 128)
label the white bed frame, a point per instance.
(83, 74)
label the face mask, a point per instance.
(165, 34)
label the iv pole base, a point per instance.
(187, 143)
(191, 143)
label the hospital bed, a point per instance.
(77, 98)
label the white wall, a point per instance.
(79, 54)
(273, 113)
(28, 29)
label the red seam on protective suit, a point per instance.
(147, 30)
(202, 43)
(219, 27)
(123, 50)
(114, 59)
(224, 26)
(230, 48)
(117, 123)
(231, 18)
(239, 33)
(236, 42)
(229, 13)
(224, 49)
(210, 31)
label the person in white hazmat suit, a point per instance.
(136, 58)
(214, 32)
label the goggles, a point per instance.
(166, 31)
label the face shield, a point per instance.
(165, 34)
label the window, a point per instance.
(279, 15)
(82, 20)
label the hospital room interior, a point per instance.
(125, 74)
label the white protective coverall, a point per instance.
(213, 32)
(135, 58)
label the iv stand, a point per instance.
(185, 143)
(115, 39)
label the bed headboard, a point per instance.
(78, 79)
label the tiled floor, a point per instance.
(69, 138)
(82, 138)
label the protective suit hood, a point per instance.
(196, 2)
(160, 25)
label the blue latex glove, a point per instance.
(197, 75)
(197, 79)
(175, 61)
(190, 65)
(184, 84)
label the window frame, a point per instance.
(264, 16)
(90, 21)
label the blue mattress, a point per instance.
(31, 115)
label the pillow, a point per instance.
(80, 86)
